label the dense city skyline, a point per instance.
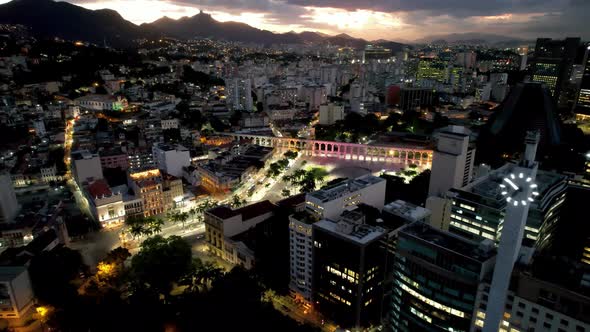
(393, 20)
(202, 174)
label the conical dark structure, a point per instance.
(529, 106)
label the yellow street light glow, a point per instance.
(105, 269)
(42, 311)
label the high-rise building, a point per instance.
(239, 94)
(8, 203)
(535, 304)
(300, 254)
(452, 161)
(583, 100)
(314, 95)
(478, 210)
(412, 97)
(331, 113)
(432, 69)
(436, 279)
(348, 270)
(466, 59)
(518, 191)
(554, 60)
(329, 202)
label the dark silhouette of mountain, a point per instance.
(468, 38)
(203, 25)
(48, 18)
(311, 37)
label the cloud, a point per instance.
(374, 19)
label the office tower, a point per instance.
(239, 94)
(348, 270)
(478, 209)
(86, 166)
(432, 69)
(413, 97)
(331, 113)
(553, 64)
(518, 189)
(436, 279)
(331, 201)
(452, 161)
(8, 203)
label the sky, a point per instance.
(400, 20)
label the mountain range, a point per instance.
(48, 18)
(472, 38)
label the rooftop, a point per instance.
(407, 210)
(346, 187)
(479, 251)
(488, 186)
(99, 188)
(248, 212)
(82, 154)
(357, 233)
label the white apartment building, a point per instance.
(452, 161)
(171, 159)
(300, 255)
(330, 113)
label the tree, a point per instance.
(161, 262)
(52, 273)
(139, 225)
(118, 256)
(237, 202)
(291, 154)
(201, 276)
(286, 193)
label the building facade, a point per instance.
(436, 279)
(348, 270)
